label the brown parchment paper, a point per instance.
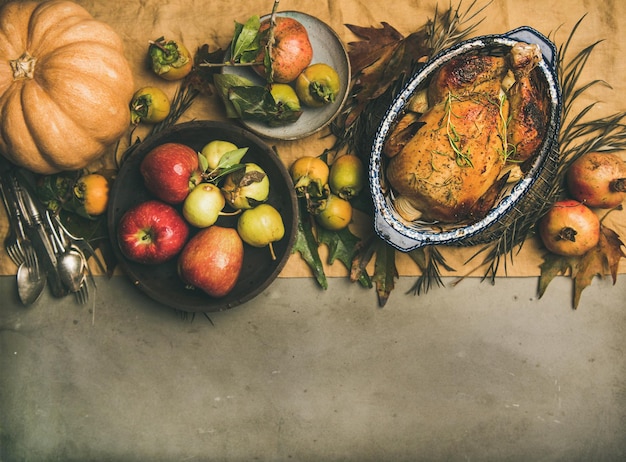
(199, 22)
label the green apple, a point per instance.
(203, 205)
(214, 150)
(261, 226)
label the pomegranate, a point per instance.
(291, 53)
(570, 228)
(598, 180)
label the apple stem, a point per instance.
(272, 253)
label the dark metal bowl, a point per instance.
(407, 236)
(161, 282)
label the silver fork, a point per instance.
(30, 255)
(12, 241)
(31, 260)
(82, 294)
(81, 244)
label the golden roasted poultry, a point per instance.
(446, 162)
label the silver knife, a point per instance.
(40, 238)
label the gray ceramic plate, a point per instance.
(328, 49)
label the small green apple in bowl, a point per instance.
(203, 205)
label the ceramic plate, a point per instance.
(328, 49)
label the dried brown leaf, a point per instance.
(611, 246)
(380, 60)
(365, 52)
(599, 261)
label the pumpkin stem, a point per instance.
(23, 67)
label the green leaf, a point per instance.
(203, 162)
(223, 84)
(252, 102)
(307, 246)
(232, 158)
(221, 173)
(245, 41)
(257, 103)
(385, 271)
(342, 246)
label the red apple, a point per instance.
(152, 232)
(292, 51)
(212, 260)
(170, 171)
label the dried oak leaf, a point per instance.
(342, 246)
(385, 271)
(599, 261)
(377, 41)
(201, 77)
(383, 56)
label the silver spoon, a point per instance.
(70, 262)
(29, 289)
(71, 269)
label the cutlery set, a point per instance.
(45, 252)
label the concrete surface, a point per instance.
(467, 373)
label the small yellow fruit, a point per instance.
(149, 105)
(93, 190)
(309, 175)
(336, 213)
(347, 176)
(318, 85)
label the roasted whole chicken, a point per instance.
(481, 113)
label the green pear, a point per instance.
(261, 226)
(247, 187)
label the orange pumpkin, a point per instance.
(65, 86)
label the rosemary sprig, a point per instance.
(428, 259)
(454, 25)
(508, 150)
(462, 158)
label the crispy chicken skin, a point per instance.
(528, 109)
(447, 161)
